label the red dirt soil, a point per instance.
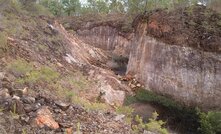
(196, 27)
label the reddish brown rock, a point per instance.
(69, 130)
(44, 118)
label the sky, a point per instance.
(83, 1)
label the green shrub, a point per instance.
(215, 120)
(69, 95)
(153, 125)
(89, 105)
(130, 100)
(15, 4)
(210, 123)
(148, 96)
(127, 111)
(19, 67)
(44, 74)
(26, 73)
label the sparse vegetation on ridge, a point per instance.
(19, 67)
(27, 73)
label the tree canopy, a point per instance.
(75, 7)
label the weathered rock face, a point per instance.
(79, 52)
(189, 75)
(111, 90)
(106, 38)
(170, 53)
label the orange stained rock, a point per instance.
(69, 130)
(44, 118)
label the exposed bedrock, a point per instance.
(107, 38)
(165, 59)
(186, 74)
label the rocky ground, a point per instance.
(52, 82)
(22, 113)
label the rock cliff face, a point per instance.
(106, 38)
(189, 75)
(173, 53)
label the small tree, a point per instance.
(99, 6)
(116, 6)
(71, 6)
(210, 123)
(153, 125)
(54, 6)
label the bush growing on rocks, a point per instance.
(26, 73)
(210, 123)
(44, 74)
(153, 125)
(126, 110)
